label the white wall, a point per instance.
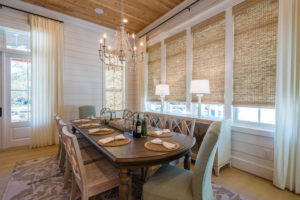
(252, 149)
(82, 68)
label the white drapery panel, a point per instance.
(287, 139)
(47, 79)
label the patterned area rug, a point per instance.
(41, 179)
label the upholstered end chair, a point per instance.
(87, 111)
(171, 182)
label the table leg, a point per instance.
(124, 179)
(73, 130)
(187, 161)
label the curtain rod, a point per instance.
(185, 8)
(1, 6)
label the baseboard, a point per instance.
(253, 168)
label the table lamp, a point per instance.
(199, 87)
(162, 90)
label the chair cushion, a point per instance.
(169, 182)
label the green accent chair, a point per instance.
(87, 111)
(171, 182)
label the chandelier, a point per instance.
(123, 51)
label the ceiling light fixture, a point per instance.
(123, 51)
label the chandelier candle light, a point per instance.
(199, 87)
(124, 49)
(162, 90)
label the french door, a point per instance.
(16, 97)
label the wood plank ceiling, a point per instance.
(139, 13)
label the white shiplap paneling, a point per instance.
(82, 68)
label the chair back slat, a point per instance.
(181, 125)
(74, 156)
(127, 114)
(156, 121)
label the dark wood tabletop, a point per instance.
(135, 155)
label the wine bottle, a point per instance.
(144, 127)
(138, 127)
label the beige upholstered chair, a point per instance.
(171, 182)
(90, 179)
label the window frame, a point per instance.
(255, 125)
(113, 90)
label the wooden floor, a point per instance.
(250, 186)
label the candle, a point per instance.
(141, 44)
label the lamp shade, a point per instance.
(200, 87)
(162, 90)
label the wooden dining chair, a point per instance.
(155, 120)
(90, 179)
(60, 145)
(126, 114)
(171, 182)
(89, 155)
(182, 125)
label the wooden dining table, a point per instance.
(134, 155)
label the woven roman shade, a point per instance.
(154, 71)
(209, 57)
(114, 87)
(255, 53)
(176, 67)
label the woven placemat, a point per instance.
(82, 122)
(163, 135)
(102, 132)
(90, 126)
(116, 143)
(159, 147)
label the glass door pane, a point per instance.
(20, 89)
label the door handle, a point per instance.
(0, 111)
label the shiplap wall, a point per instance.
(252, 149)
(82, 68)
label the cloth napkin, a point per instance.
(95, 130)
(110, 139)
(89, 124)
(158, 132)
(166, 131)
(156, 141)
(168, 145)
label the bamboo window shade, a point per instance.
(154, 71)
(209, 57)
(114, 87)
(176, 67)
(255, 53)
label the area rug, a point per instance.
(41, 179)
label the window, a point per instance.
(20, 78)
(209, 57)
(114, 83)
(255, 57)
(209, 110)
(17, 40)
(154, 71)
(15, 45)
(254, 115)
(176, 107)
(153, 106)
(176, 67)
